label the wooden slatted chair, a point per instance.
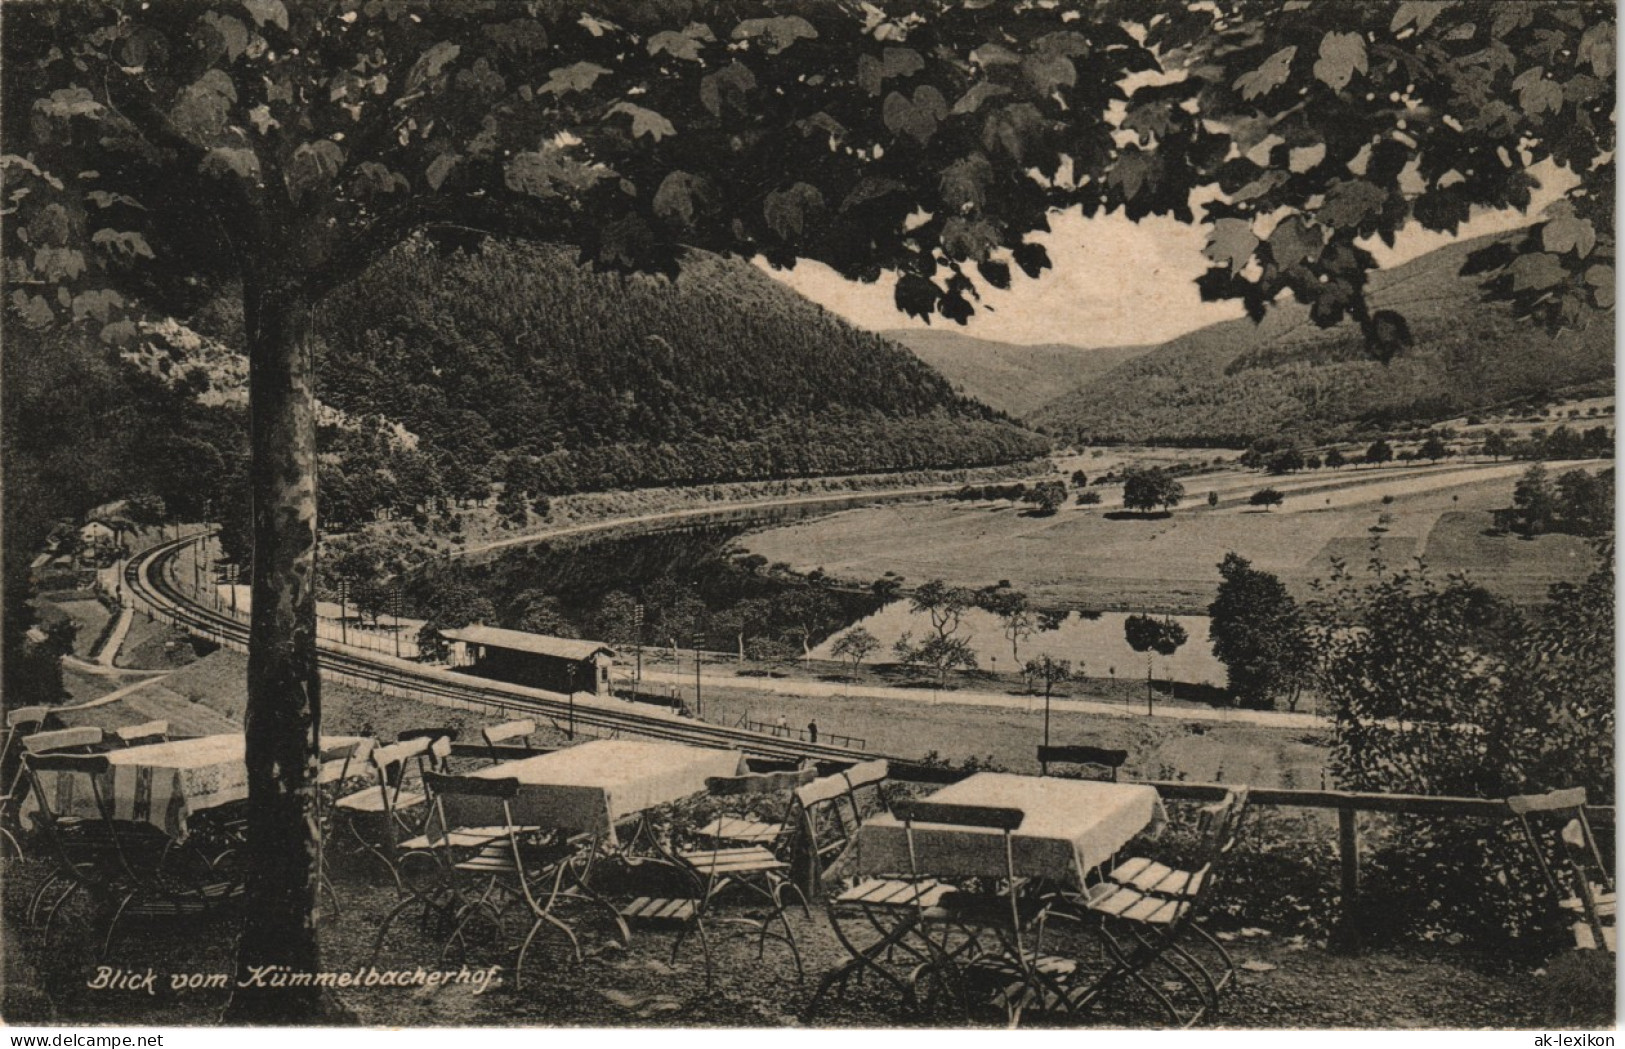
(741, 826)
(1003, 913)
(1096, 762)
(338, 764)
(754, 870)
(1559, 835)
(379, 817)
(142, 734)
(1145, 919)
(506, 732)
(23, 721)
(130, 869)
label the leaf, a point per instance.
(1232, 242)
(1597, 49)
(313, 164)
(1350, 203)
(260, 116)
(34, 310)
(870, 188)
(969, 239)
(964, 182)
(972, 100)
(201, 108)
(104, 199)
(1536, 271)
(578, 77)
(429, 65)
(1341, 56)
(1305, 158)
(990, 55)
(1536, 94)
(58, 264)
(264, 11)
(1047, 73)
(677, 45)
(439, 168)
(679, 196)
(995, 272)
(727, 87)
(129, 244)
(1389, 335)
(231, 160)
(69, 102)
(644, 121)
(1420, 13)
(787, 210)
(1130, 173)
(1013, 128)
(522, 34)
(1268, 76)
(233, 34)
(916, 296)
(901, 61)
(97, 303)
(1032, 258)
(779, 33)
(372, 177)
(1568, 233)
(549, 171)
(1293, 241)
(917, 117)
(1601, 279)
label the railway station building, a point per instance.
(557, 664)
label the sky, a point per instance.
(1117, 282)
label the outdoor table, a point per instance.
(163, 784)
(590, 787)
(1070, 828)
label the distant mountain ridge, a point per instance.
(1014, 378)
(1235, 381)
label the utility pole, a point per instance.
(395, 610)
(570, 732)
(344, 613)
(637, 634)
(699, 710)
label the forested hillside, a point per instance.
(512, 353)
(1017, 379)
(1235, 381)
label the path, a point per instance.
(115, 639)
(113, 696)
(813, 689)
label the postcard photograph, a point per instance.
(860, 514)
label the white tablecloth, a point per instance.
(1071, 827)
(588, 788)
(161, 783)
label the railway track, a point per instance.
(149, 585)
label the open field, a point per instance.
(1093, 557)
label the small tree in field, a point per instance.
(855, 646)
(1334, 459)
(1259, 634)
(1150, 488)
(1051, 672)
(1149, 635)
(1267, 498)
(1380, 452)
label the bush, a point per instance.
(1088, 499)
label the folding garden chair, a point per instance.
(753, 869)
(1143, 915)
(506, 732)
(378, 816)
(1097, 762)
(338, 763)
(1002, 913)
(128, 868)
(23, 721)
(1571, 864)
(750, 793)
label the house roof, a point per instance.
(519, 641)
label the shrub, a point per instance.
(1088, 499)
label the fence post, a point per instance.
(1346, 937)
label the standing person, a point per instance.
(812, 731)
(784, 726)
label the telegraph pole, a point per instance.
(344, 613)
(395, 610)
(571, 731)
(698, 709)
(637, 633)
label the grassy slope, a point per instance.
(1239, 380)
(1012, 378)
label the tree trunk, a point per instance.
(283, 716)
